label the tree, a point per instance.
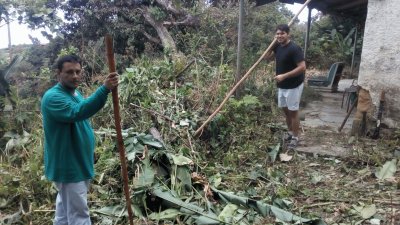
(5, 15)
(131, 22)
(36, 14)
(332, 33)
(5, 90)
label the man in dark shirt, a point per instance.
(290, 68)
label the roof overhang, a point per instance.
(344, 8)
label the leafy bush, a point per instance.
(332, 40)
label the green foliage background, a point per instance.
(171, 91)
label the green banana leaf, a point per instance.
(274, 152)
(203, 217)
(264, 209)
(146, 175)
(118, 211)
(167, 214)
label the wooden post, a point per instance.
(307, 39)
(348, 114)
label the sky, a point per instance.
(304, 14)
(20, 32)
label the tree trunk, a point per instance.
(9, 36)
(166, 39)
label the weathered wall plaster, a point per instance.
(380, 59)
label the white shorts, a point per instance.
(290, 98)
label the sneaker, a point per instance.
(287, 136)
(293, 143)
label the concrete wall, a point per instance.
(380, 59)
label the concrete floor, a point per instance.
(322, 120)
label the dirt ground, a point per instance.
(334, 175)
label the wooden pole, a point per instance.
(9, 36)
(200, 129)
(120, 142)
(354, 52)
(348, 114)
(239, 47)
(307, 41)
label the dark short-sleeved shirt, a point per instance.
(286, 58)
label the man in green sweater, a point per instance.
(69, 139)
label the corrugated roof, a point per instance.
(346, 8)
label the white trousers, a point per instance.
(71, 204)
(290, 98)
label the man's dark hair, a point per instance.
(68, 58)
(283, 27)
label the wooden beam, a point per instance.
(349, 5)
(354, 52)
(307, 41)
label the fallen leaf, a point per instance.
(351, 140)
(316, 177)
(285, 157)
(366, 211)
(387, 170)
(274, 152)
(314, 164)
(375, 221)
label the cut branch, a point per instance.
(166, 38)
(153, 112)
(190, 21)
(184, 69)
(381, 201)
(167, 5)
(151, 38)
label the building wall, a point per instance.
(380, 59)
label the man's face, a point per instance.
(282, 37)
(70, 75)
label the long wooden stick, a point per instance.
(117, 117)
(200, 129)
(348, 114)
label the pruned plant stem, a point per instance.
(190, 142)
(44, 210)
(358, 179)
(186, 67)
(153, 112)
(318, 204)
(393, 210)
(382, 201)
